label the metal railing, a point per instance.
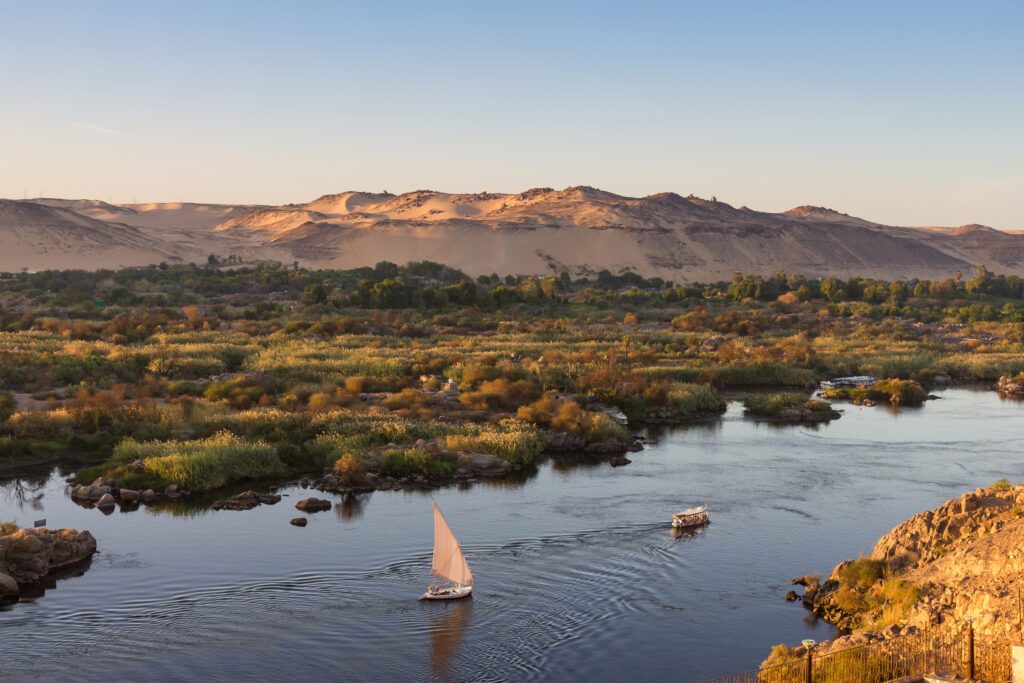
(954, 650)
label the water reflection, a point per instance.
(565, 463)
(447, 626)
(679, 533)
(581, 576)
(25, 493)
(352, 506)
(34, 591)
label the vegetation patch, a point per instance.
(895, 391)
(198, 465)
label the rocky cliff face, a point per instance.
(963, 560)
(29, 555)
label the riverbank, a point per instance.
(960, 562)
(572, 545)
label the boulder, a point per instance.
(484, 464)
(246, 501)
(1011, 385)
(564, 441)
(711, 344)
(968, 502)
(28, 555)
(299, 521)
(619, 461)
(107, 501)
(609, 445)
(148, 496)
(9, 590)
(129, 496)
(313, 504)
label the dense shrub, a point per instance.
(895, 391)
(403, 462)
(568, 416)
(202, 464)
(513, 440)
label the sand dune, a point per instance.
(579, 229)
(38, 236)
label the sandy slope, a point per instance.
(582, 229)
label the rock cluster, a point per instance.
(30, 555)
(246, 501)
(562, 442)
(104, 493)
(804, 415)
(1011, 385)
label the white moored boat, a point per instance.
(691, 518)
(449, 564)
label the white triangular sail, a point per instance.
(449, 562)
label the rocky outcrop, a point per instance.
(313, 504)
(609, 445)
(562, 442)
(246, 501)
(1011, 385)
(483, 465)
(28, 556)
(804, 415)
(964, 560)
(104, 494)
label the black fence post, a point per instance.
(807, 667)
(970, 650)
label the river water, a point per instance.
(578, 575)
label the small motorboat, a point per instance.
(691, 518)
(449, 563)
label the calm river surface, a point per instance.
(578, 575)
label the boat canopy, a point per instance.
(692, 512)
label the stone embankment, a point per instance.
(961, 561)
(27, 556)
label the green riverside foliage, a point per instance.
(694, 399)
(204, 464)
(402, 462)
(359, 434)
(896, 391)
(319, 364)
(770, 405)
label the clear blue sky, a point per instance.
(902, 112)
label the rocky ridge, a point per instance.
(28, 556)
(965, 558)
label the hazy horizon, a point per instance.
(902, 115)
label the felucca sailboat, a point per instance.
(449, 564)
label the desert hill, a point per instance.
(580, 229)
(51, 236)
